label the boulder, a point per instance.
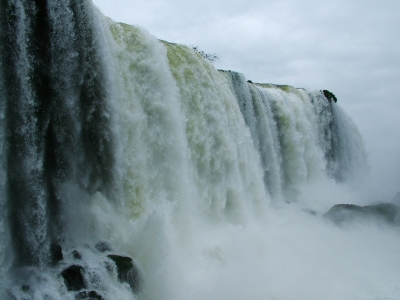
(345, 213)
(73, 278)
(127, 271)
(88, 295)
(103, 246)
(56, 254)
(76, 255)
(330, 96)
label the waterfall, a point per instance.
(299, 135)
(112, 141)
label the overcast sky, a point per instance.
(350, 47)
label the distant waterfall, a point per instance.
(299, 134)
(107, 134)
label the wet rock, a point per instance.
(103, 246)
(56, 254)
(25, 288)
(345, 213)
(88, 295)
(76, 254)
(330, 96)
(127, 271)
(73, 278)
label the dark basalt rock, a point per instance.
(127, 271)
(56, 254)
(345, 213)
(103, 246)
(330, 96)
(25, 288)
(73, 278)
(76, 254)
(86, 295)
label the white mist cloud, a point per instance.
(292, 256)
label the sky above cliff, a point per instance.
(348, 47)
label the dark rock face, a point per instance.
(73, 278)
(86, 295)
(346, 213)
(127, 271)
(330, 96)
(103, 246)
(56, 254)
(76, 254)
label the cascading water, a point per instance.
(299, 135)
(114, 145)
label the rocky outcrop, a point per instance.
(56, 254)
(76, 255)
(88, 295)
(103, 246)
(346, 213)
(127, 271)
(330, 96)
(73, 278)
(74, 275)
